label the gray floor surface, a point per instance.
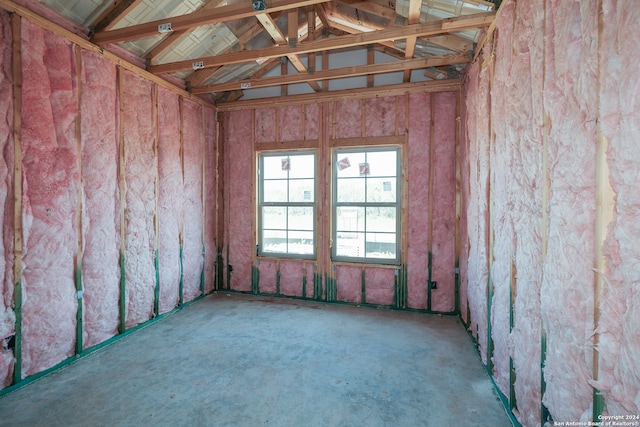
(241, 360)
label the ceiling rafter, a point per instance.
(195, 19)
(247, 33)
(338, 73)
(423, 29)
(270, 26)
(176, 36)
(410, 49)
(114, 14)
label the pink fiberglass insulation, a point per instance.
(478, 135)
(291, 123)
(347, 116)
(310, 275)
(380, 116)
(211, 197)
(101, 204)
(349, 283)
(170, 195)
(268, 273)
(291, 278)
(312, 121)
(50, 184)
(265, 125)
(7, 316)
(444, 203)
(140, 172)
(193, 150)
(380, 285)
(525, 103)
(417, 229)
(566, 294)
(619, 327)
(501, 199)
(238, 187)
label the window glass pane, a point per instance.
(381, 190)
(382, 163)
(381, 245)
(274, 241)
(272, 167)
(350, 244)
(300, 218)
(381, 219)
(302, 166)
(350, 219)
(275, 190)
(274, 217)
(350, 190)
(301, 190)
(301, 242)
(347, 164)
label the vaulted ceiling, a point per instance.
(240, 49)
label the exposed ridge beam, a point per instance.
(423, 29)
(348, 94)
(196, 19)
(337, 73)
(113, 14)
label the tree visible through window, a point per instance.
(286, 214)
(366, 205)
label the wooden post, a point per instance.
(181, 232)
(432, 145)
(156, 189)
(16, 65)
(123, 201)
(79, 191)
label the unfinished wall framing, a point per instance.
(424, 125)
(94, 200)
(550, 271)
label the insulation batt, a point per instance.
(380, 286)
(525, 102)
(349, 283)
(238, 187)
(170, 202)
(140, 173)
(50, 179)
(268, 272)
(619, 328)
(312, 113)
(347, 119)
(101, 202)
(211, 199)
(501, 203)
(566, 294)
(291, 123)
(380, 116)
(265, 129)
(444, 203)
(478, 134)
(193, 150)
(291, 278)
(7, 315)
(418, 195)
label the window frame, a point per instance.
(260, 204)
(337, 152)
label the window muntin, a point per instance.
(286, 204)
(366, 205)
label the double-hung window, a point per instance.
(286, 204)
(366, 205)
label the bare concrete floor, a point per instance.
(240, 360)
